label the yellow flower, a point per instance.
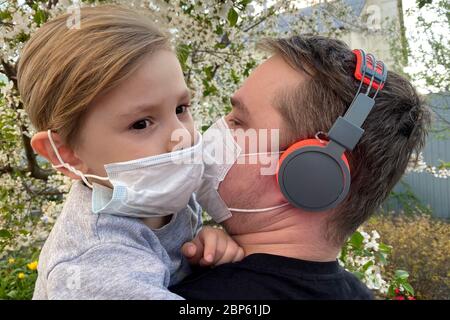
(11, 260)
(21, 275)
(33, 265)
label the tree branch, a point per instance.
(10, 71)
(256, 24)
(43, 192)
(6, 169)
(51, 4)
(4, 23)
(36, 172)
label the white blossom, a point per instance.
(421, 166)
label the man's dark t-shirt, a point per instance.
(269, 277)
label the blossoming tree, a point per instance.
(215, 41)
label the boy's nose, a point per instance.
(180, 138)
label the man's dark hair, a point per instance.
(395, 130)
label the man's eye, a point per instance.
(141, 124)
(234, 122)
(182, 109)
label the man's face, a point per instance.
(254, 108)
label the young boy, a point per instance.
(111, 108)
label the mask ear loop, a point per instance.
(260, 153)
(69, 167)
(259, 210)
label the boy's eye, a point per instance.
(182, 109)
(141, 124)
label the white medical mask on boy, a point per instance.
(154, 186)
(220, 153)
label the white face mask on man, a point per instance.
(221, 153)
(154, 186)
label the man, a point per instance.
(291, 253)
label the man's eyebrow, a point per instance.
(238, 104)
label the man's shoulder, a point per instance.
(271, 277)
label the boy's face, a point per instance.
(144, 115)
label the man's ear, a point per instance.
(42, 146)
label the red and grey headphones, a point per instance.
(314, 174)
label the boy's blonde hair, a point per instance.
(62, 70)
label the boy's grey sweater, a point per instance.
(102, 256)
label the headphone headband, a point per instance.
(347, 130)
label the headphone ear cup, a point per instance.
(311, 178)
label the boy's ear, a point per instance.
(42, 146)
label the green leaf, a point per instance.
(5, 15)
(391, 292)
(382, 257)
(401, 274)
(210, 89)
(356, 240)
(24, 232)
(232, 17)
(423, 3)
(40, 16)
(367, 265)
(359, 275)
(219, 30)
(209, 71)
(205, 127)
(220, 45)
(5, 234)
(183, 52)
(408, 288)
(12, 294)
(248, 67)
(385, 248)
(244, 3)
(235, 77)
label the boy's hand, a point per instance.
(212, 247)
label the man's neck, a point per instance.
(291, 233)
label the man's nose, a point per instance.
(179, 137)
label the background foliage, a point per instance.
(215, 41)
